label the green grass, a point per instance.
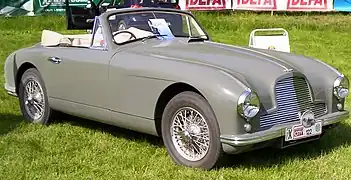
(77, 149)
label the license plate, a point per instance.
(299, 131)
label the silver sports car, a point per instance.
(164, 76)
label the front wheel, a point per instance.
(190, 131)
(33, 98)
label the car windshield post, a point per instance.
(188, 24)
(96, 28)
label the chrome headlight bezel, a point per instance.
(248, 104)
(341, 87)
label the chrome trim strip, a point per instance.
(10, 90)
(12, 93)
(277, 131)
(268, 56)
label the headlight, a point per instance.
(341, 87)
(248, 104)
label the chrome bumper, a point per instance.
(277, 131)
(12, 93)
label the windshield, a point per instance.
(130, 27)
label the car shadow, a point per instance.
(273, 157)
(9, 122)
(261, 158)
(109, 129)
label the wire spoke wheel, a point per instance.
(34, 102)
(190, 134)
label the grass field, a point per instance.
(72, 148)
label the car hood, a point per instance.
(258, 69)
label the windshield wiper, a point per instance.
(141, 39)
(153, 36)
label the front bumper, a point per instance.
(10, 90)
(276, 131)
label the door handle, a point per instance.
(55, 60)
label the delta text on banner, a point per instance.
(284, 5)
(255, 4)
(205, 4)
(310, 5)
(342, 5)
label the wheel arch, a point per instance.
(166, 95)
(23, 67)
(222, 96)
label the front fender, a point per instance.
(221, 89)
(154, 74)
(223, 96)
(9, 74)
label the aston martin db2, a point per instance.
(165, 77)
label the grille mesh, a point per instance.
(293, 96)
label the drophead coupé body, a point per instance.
(203, 98)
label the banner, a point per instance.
(342, 5)
(255, 4)
(37, 7)
(309, 5)
(16, 8)
(205, 4)
(58, 6)
(283, 5)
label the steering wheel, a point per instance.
(124, 31)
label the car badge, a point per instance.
(307, 118)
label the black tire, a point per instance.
(193, 101)
(32, 75)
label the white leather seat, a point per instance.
(51, 38)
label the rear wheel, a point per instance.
(33, 98)
(190, 131)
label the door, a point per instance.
(78, 75)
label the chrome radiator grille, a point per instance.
(293, 96)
